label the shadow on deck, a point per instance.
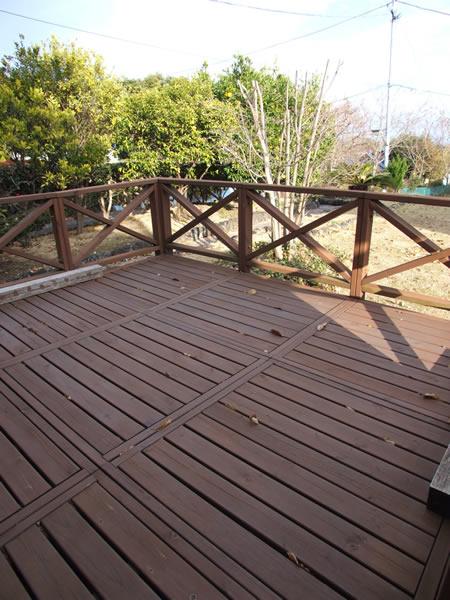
(180, 430)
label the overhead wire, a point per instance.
(307, 34)
(98, 34)
(276, 10)
(433, 10)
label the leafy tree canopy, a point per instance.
(171, 128)
(56, 109)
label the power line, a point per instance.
(276, 10)
(370, 90)
(393, 85)
(433, 10)
(103, 35)
(309, 33)
(414, 89)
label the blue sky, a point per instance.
(190, 31)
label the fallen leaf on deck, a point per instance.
(389, 441)
(254, 419)
(321, 326)
(164, 424)
(293, 557)
(430, 396)
(350, 408)
(175, 279)
(251, 292)
(276, 332)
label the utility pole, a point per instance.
(387, 129)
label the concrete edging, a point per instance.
(18, 291)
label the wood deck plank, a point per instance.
(207, 558)
(274, 570)
(166, 570)
(271, 525)
(409, 539)
(24, 481)
(11, 586)
(179, 429)
(106, 571)
(104, 411)
(42, 567)
(67, 408)
(50, 460)
(274, 435)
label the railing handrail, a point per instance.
(316, 191)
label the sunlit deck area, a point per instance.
(178, 429)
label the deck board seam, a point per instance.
(153, 433)
(28, 515)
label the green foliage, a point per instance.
(358, 176)
(171, 128)
(394, 176)
(56, 108)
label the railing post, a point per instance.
(61, 235)
(361, 249)
(161, 218)
(245, 228)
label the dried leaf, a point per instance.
(430, 396)
(254, 419)
(164, 424)
(389, 441)
(175, 279)
(276, 332)
(350, 408)
(321, 326)
(293, 557)
(187, 354)
(251, 292)
(230, 406)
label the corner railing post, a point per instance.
(161, 218)
(361, 249)
(61, 235)
(245, 228)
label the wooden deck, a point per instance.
(180, 430)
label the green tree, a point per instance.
(171, 128)
(56, 110)
(427, 159)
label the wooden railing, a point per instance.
(161, 193)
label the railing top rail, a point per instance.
(70, 193)
(319, 191)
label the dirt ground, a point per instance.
(389, 247)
